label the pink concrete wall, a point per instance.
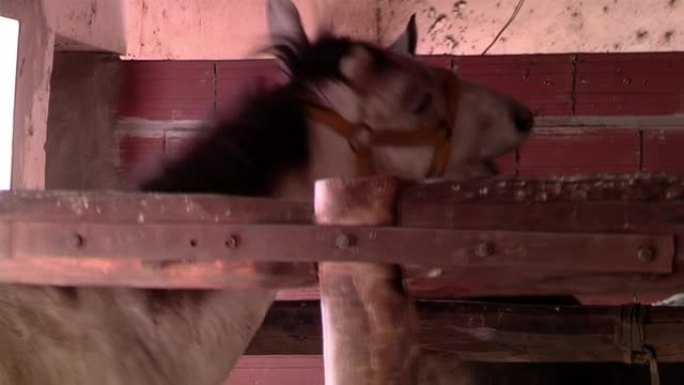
(228, 29)
(467, 27)
(231, 29)
(93, 25)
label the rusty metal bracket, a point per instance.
(565, 252)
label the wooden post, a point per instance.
(369, 323)
(34, 67)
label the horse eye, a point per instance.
(424, 102)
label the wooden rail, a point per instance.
(454, 239)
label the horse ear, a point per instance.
(284, 23)
(406, 42)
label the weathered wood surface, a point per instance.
(491, 333)
(70, 264)
(587, 252)
(124, 207)
(368, 320)
(605, 203)
(628, 206)
(608, 187)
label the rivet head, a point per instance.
(232, 242)
(76, 241)
(646, 254)
(484, 249)
(343, 241)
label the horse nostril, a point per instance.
(524, 120)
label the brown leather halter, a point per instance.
(362, 138)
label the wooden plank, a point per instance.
(442, 61)
(240, 78)
(473, 282)
(178, 141)
(145, 241)
(308, 370)
(471, 331)
(128, 207)
(164, 70)
(289, 328)
(580, 151)
(662, 151)
(543, 82)
(604, 188)
(629, 104)
(645, 123)
(101, 272)
(133, 150)
(168, 90)
(648, 205)
(618, 84)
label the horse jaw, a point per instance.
(485, 128)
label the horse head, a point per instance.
(388, 90)
(350, 108)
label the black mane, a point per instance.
(243, 156)
(246, 155)
(321, 60)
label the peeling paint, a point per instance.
(566, 26)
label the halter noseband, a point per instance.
(362, 138)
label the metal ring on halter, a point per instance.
(629, 336)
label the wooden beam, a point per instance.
(614, 214)
(606, 203)
(34, 67)
(479, 332)
(71, 208)
(368, 320)
(151, 241)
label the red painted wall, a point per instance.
(610, 85)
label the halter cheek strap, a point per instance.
(362, 138)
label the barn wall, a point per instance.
(232, 29)
(80, 149)
(224, 29)
(616, 113)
